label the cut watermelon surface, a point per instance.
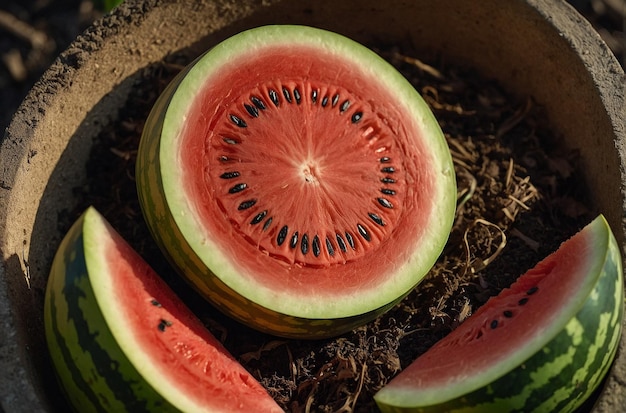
(121, 340)
(544, 344)
(297, 180)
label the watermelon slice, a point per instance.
(297, 180)
(120, 339)
(544, 344)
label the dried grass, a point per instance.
(519, 196)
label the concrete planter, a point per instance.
(541, 48)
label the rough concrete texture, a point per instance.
(537, 47)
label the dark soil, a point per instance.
(518, 200)
(519, 197)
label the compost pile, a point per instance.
(519, 197)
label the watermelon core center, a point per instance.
(311, 168)
(327, 192)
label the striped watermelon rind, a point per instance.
(174, 226)
(94, 372)
(102, 366)
(556, 375)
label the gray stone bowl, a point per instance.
(541, 48)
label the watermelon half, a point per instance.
(542, 345)
(120, 340)
(297, 180)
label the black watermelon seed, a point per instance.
(296, 95)
(238, 121)
(324, 101)
(230, 141)
(364, 233)
(315, 246)
(329, 247)
(267, 224)
(523, 301)
(304, 244)
(294, 240)
(350, 240)
(508, 313)
(258, 217)
(388, 191)
(388, 180)
(224, 158)
(155, 303)
(287, 94)
(282, 234)
(385, 159)
(376, 218)
(252, 110)
(163, 324)
(335, 100)
(229, 175)
(341, 243)
(273, 96)
(246, 204)
(344, 106)
(237, 188)
(384, 202)
(356, 116)
(532, 290)
(388, 169)
(494, 324)
(314, 96)
(258, 102)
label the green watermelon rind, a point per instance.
(556, 372)
(90, 364)
(174, 226)
(98, 363)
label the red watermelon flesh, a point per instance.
(297, 180)
(165, 343)
(575, 294)
(484, 339)
(310, 164)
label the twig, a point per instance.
(12, 24)
(482, 263)
(15, 65)
(420, 65)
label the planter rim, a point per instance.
(18, 389)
